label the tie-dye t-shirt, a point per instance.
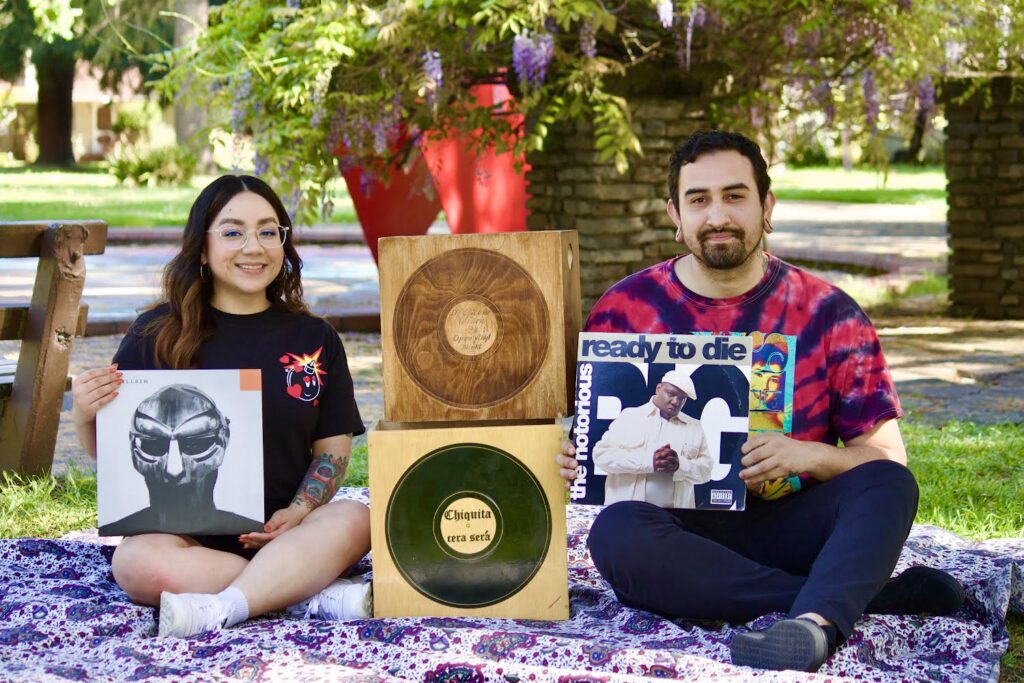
(841, 385)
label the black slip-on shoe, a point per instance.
(919, 590)
(796, 644)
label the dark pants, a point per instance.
(827, 549)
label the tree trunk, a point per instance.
(55, 72)
(189, 119)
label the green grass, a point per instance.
(904, 185)
(46, 507)
(27, 194)
(971, 477)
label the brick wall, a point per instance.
(985, 174)
(620, 219)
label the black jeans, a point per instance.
(827, 549)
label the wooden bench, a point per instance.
(31, 392)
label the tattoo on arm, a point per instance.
(322, 480)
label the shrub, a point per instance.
(156, 166)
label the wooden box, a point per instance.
(479, 327)
(468, 521)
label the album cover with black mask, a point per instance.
(181, 451)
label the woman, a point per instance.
(232, 298)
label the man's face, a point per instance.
(177, 437)
(720, 217)
(669, 399)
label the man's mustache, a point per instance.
(738, 234)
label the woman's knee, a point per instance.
(349, 518)
(142, 570)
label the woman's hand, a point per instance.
(279, 522)
(92, 390)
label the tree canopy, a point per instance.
(309, 81)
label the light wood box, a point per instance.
(479, 327)
(430, 561)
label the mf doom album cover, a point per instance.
(181, 451)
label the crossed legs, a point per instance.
(292, 567)
(827, 551)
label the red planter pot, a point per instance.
(479, 192)
(407, 206)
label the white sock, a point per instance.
(239, 606)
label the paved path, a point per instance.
(340, 277)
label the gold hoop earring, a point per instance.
(203, 274)
(768, 225)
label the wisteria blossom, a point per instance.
(531, 55)
(588, 40)
(260, 164)
(697, 18)
(925, 94)
(789, 36)
(433, 74)
(871, 105)
(665, 13)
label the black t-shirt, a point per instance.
(307, 388)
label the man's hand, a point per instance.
(770, 455)
(280, 522)
(567, 463)
(666, 459)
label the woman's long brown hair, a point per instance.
(178, 335)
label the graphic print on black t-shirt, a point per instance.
(303, 375)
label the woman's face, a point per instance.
(241, 274)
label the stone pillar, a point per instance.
(620, 219)
(985, 174)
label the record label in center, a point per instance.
(468, 525)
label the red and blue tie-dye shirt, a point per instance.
(840, 384)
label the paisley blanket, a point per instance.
(62, 617)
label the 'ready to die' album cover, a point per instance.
(181, 451)
(661, 418)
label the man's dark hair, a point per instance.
(708, 141)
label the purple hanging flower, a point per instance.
(241, 90)
(665, 13)
(531, 56)
(293, 4)
(696, 20)
(904, 6)
(588, 40)
(925, 94)
(260, 164)
(871, 105)
(433, 73)
(822, 94)
(789, 36)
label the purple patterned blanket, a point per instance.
(62, 617)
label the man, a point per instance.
(825, 551)
(641, 450)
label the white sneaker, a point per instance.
(186, 614)
(343, 600)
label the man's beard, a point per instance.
(727, 255)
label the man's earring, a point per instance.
(768, 225)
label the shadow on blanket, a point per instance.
(62, 617)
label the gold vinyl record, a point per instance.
(471, 328)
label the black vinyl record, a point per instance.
(468, 525)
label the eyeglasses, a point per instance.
(269, 237)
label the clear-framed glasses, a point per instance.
(269, 236)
